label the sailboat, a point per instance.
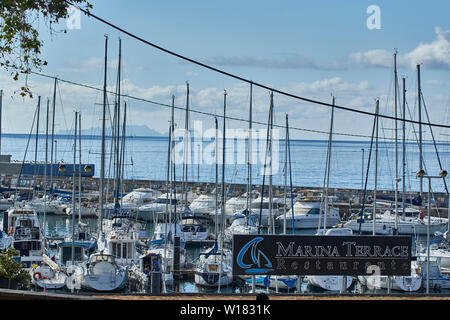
(213, 268)
(48, 275)
(104, 273)
(241, 224)
(329, 282)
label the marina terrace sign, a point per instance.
(321, 255)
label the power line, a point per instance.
(89, 14)
(212, 114)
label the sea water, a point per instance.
(146, 158)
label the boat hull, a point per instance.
(330, 283)
(403, 228)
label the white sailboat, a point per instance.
(48, 275)
(232, 206)
(203, 205)
(194, 228)
(262, 208)
(147, 212)
(241, 225)
(212, 269)
(104, 274)
(331, 282)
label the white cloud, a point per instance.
(433, 55)
(287, 61)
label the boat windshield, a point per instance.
(314, 211)
(101, 257)
(164, 200)
(258, 205)
(66, 254)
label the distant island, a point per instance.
(135, 131)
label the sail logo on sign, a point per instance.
(257, 267)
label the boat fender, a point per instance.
(37, 274)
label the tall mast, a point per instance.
(216, 142)
(117, 183)
(53, 135)
(249, 152)
(285, 172)
(79, 169)
(102, 161)
(186, 145)
(419, 94)
(271, 222)
(36, 146)
(45, 172)
(290, 176)
(404, 150)
(324, 197)
(223, 183)
(376, 173)
(122, 152)
(396, 138)
(330, 139)
(73, 187)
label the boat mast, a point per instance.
(36, 147)
(172, 177)
(419, 94)
(376, 168)
(122, 152)
(79, 170)
(102, 164)
(325, 179)
(170, 186)
(73, 187)
(45, 172)
(290, 177)
(404, 150)
(285, 172)
(53, 134)
(271, 222)
(117, 136)
(249, 152)
(186, 146)
(223, 185)
(330, 139)
(217, 179)
(396, 144)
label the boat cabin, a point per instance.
(64, 254)
(150, 262)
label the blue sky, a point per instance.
(309, 48)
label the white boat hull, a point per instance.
(403, 228)
(211, 279)
(307, 222)
(398, 283)
(104, 282)
(330, 283)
